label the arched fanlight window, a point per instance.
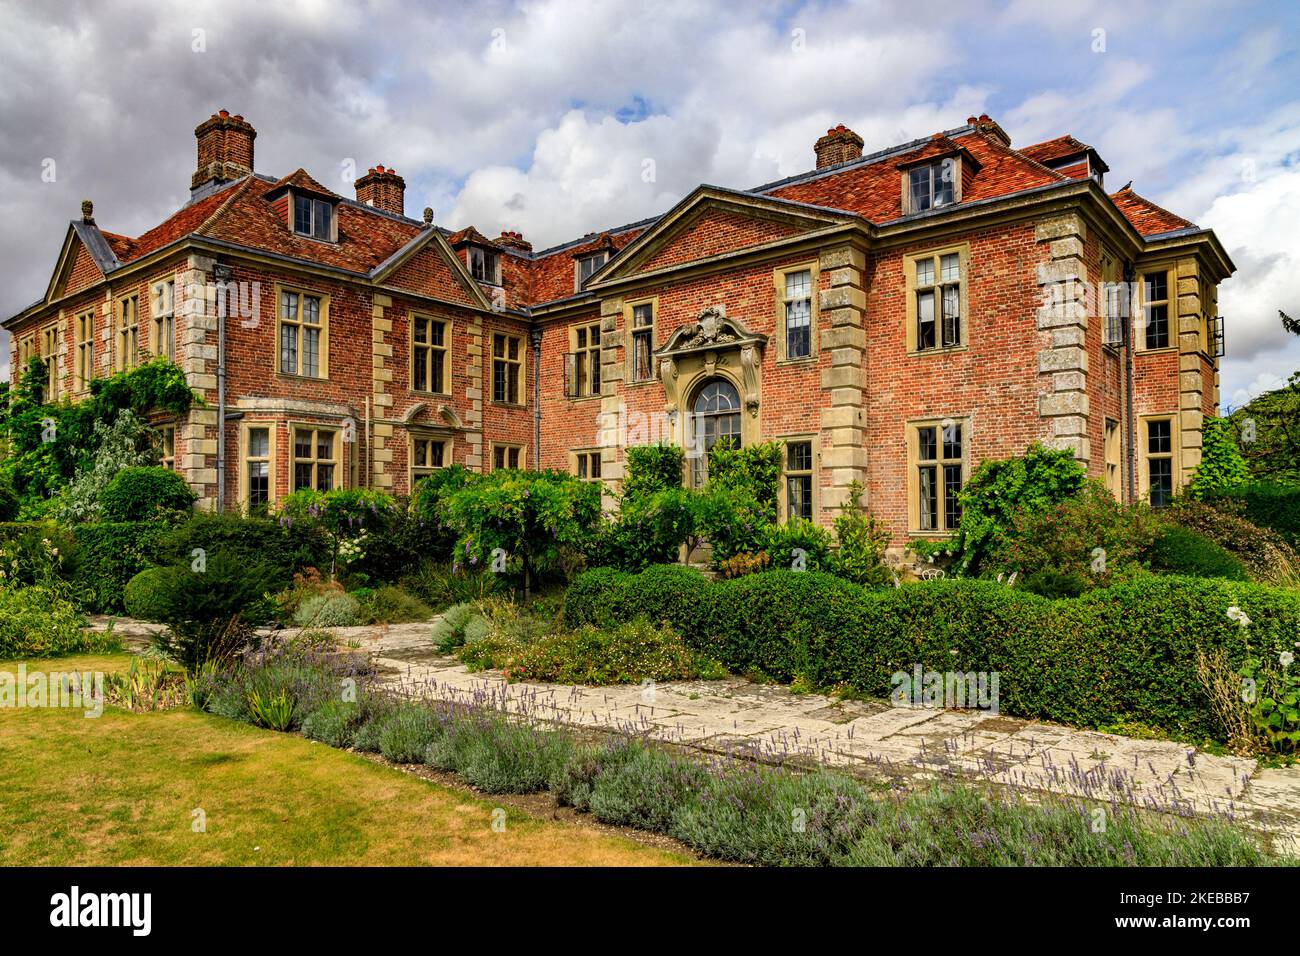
(715, 416)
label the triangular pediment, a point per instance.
(428, 266)
(85, 258)
(712, 221)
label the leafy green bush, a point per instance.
(284, 548)
(392, 605)
(1057, 584)
(650, 469)
(138, 494)
(334, 723)
(328, 609)
(38, 552)
(624, 654)
(999, 490)
(1221, 466)
(1128, 651)
(348, 516)
(862, 542)
(1264, 552)
(37, 622)
(109, 555)
(438, 586)
(732, 520)
(752, 470)
(1179, 550)
(9, 503)
(650, 529)
(145, 594)
(1269, 504)
(129, 441)
(781, 540)
(1090, 538)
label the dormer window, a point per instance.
(588, 265)
(933, 185)
(483, 265)
(313, 218)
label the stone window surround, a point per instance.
(813, 268)
(492, 454)
(1144, 455)
(913, 426)
(272, 429)
(962, 249)
(783, 504)
(629, 331)
(445, 348)
(323, 372)
(416, 434)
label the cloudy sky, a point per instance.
(544, 116)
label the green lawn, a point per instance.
(121, 790)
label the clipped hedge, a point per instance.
(109, 555)
(136, 494)
(1127, 652)
(284, 548)
(1180, 550)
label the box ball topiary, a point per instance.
(143, 595)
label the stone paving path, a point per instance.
(866, 738)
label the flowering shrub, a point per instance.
(347, 515)
(37, 621)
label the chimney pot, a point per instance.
(225, 149)
(383, 189)
(515, 240)
(839, 145)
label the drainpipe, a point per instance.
(1130, 422)
(535, 336)
(223, 274)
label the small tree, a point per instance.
(522, 520)
(347, 515)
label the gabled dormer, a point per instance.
(307, 208)
(933, 176)
(479, 253)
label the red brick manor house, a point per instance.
(892, 318)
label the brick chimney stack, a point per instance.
(839, 145)
(383, 189)
(982, 122)
(514, 240)
(225, 149)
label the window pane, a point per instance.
(436, 362)
(436, 451)
(324, 211)
(1162, 481)
(643, 315)
(1157, 327)
(927, 443)
(952, 441)
(951, 486)
(324, 477)
(420, 331)
(301, 476)
(421, 454)
(944, 177)
(799, 456)
(311, 309)
(310, 351)
(924, 273)
(925, 338)
(302, 215)
(498, 381)
(582, 465)
(289, 349)
(798, 285)
(928, 501)
(324, 444)
(1158, 437)
(595, 464)
(951, 315)
(950, 267)
(1157, 287)
(419, 368)
(259, 442)
(920, 182)
(302, 444)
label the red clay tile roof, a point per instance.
(1148, 218)
(1054, 149)
(241, 213)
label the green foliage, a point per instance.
(1050, 583)
(650, 529)
(500, 756)
(1275, 713)
(996, 491)
(49, 444)
(627, 653)
(138, 494)
(330, 608)
(284, 548)
(109, 555)
(449, 631)
(863, 540)
(37, 552)
(754, 470)
(349, 516)
(392, 605)
(1264, 552)
(439, 587)
(37, 621)
(1269, 504)
(731, 519)
(649, 470)
(335, 723)
(644, 787)
(127, 442)
(1179, 550)
(209, 613)
(143, 597)
(9, 503)
(1222, 465)
(529, 520)
(1128, 651)
(781, 541)
(1268, 432)
(1090, 538)
(407, 734)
